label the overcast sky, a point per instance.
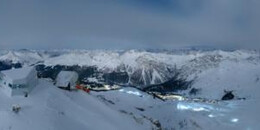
(128, 24)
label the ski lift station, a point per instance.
(67, 80)
(18, 81)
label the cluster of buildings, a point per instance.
(22, 81)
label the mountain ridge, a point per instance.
(136, 67)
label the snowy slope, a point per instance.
(240, 76)
(49, 108)
(26, 57)
(185, 115)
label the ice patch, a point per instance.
(234, 120)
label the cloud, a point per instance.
(124, 24)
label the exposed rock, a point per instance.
(228, 95)
(6, 65)
(140, 109)
(194, 91)
(157, 124)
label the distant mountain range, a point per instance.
(142, 68)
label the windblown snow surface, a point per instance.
(186, 115)
(49, 108)
(129, 108)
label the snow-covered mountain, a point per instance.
(26, 57)
(197, 75)
(143, 68)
